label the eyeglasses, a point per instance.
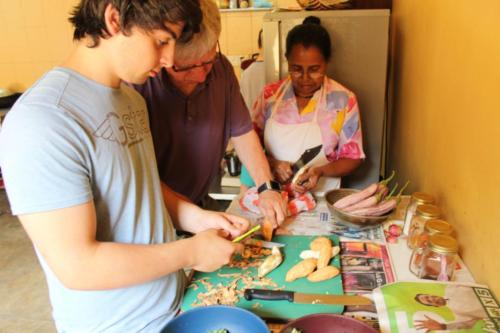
(203, 64)
(313, 74)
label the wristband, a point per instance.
(269, 185)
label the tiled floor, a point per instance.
(24, 302)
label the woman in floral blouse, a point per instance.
(305, 110)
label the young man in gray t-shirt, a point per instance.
(78, 162)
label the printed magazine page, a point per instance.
(414, 307)
(365, 266)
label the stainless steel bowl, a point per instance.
(356, 220)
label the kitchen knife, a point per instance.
(306, 157)
(295, 297)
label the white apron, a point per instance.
(287, 142)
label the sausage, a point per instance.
(371, 201)
(380, 187)
(380, 209)
(356, 197)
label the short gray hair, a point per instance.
(205, 40)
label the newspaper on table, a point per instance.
(317, 222)
(413, 307)
(365, 266)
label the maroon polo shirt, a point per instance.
(190, 133)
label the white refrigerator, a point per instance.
(359, 61)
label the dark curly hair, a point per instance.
(88, 16)
(309, 33)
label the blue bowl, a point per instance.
(216, 317)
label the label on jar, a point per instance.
(409, 214)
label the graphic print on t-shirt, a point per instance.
(129, 129)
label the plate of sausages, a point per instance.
(367, 207)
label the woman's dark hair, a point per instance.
(88, 16)
(309, 33)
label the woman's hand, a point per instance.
(307, 180)
(282, 170)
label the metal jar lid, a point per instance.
(434, 226)
(422, 198)
(428, 211)
(443, 244)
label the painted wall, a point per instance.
(446, 118)
(285, 3)
(36, 36)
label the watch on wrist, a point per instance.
(269, 185)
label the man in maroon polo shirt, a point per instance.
(195, 107)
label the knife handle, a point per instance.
(268, 295)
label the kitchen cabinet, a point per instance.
(240, 30)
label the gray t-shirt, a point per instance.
(68, 141)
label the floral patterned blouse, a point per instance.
(338, 116)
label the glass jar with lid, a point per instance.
(417, 198)
(438, 259)
(431, 227)
(423, 213)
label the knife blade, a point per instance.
(295, 297)
(306, 157)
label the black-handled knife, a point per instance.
(295, 297)
(306, 157)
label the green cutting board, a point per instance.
(277, 309)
